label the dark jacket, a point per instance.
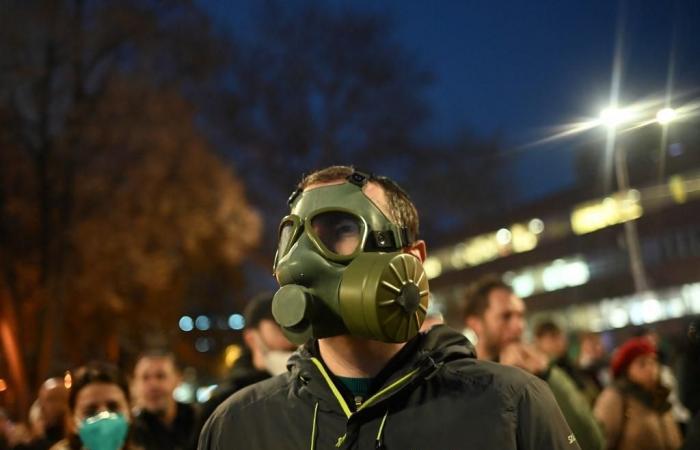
(688, 374)
(242, 375)
(692, 437)
(432, 395)
(52, 435)
(149, 431)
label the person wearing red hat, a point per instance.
(634, 410)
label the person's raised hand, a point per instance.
(526, 357)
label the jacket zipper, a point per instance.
(371, 400)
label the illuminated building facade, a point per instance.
(573, 262)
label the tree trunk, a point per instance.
(18, 382)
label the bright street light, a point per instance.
(612, 117)
(666, 116)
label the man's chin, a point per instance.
(157, 410)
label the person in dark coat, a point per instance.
(265, 355)
(160, 421)
(354, 293)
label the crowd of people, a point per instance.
(348, 354)
(100, 407)
(629, 399)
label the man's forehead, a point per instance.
(154, 363)
(505, 299)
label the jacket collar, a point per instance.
(419, 359)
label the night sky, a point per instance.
(519, 68)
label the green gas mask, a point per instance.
(342, 270)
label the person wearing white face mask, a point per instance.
(266, 353)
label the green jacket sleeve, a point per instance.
(541, 424)
(576, 410)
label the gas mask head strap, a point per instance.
(383, 240)
(357, 178)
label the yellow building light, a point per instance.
(677, 187)
(524, 240)
(231, 355)
(433, 267)
(481, 249)
(504, 236)
(619, 208)
(536, 226)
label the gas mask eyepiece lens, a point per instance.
(340, 232)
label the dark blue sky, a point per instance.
(517, 68)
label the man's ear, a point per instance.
(417, 249)
(474, 323)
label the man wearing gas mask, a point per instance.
(354, 294)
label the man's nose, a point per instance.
(517, 327)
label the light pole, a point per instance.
(612, 118)
(664, 117)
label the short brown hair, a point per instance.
(477, 295)
(547, 328)
(158, 353)
(402, 209)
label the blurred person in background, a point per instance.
(99, 415)
(593, 360)
(689, 384)
(552, 341)
(47, 418)
(634, 410)
(160, 421)
(17, 435)
(365, 376)
(53, 408)
(4, 427)
(433, 316)
(496, 316)
(30, 435)
(36, 420)
(265, 355)
(667, 377)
